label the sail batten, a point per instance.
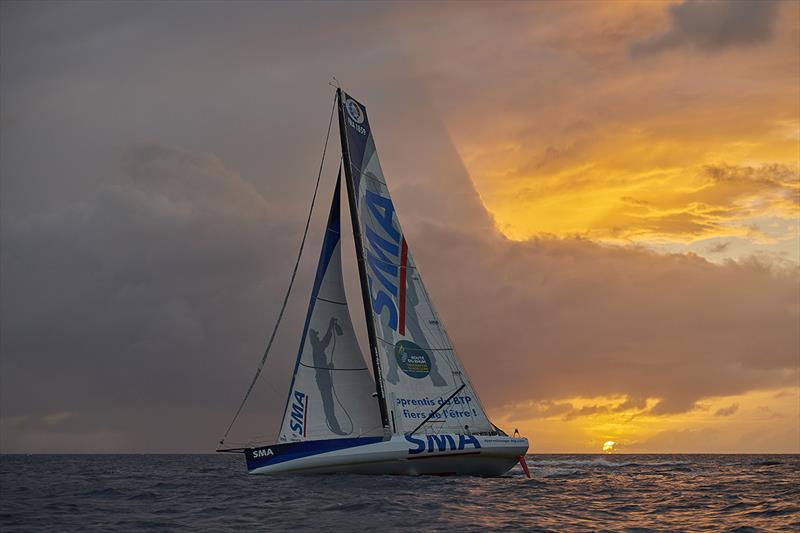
(334, 369)
(329, 301)
(449, 349)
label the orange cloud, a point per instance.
(756, 422)
(564, 134)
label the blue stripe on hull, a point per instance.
(279, 453)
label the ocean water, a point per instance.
(567, 492)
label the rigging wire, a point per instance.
(291, 282)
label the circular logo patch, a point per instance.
(354, 110)
(412, 359)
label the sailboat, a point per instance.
(416, 412)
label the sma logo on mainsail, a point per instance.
(384, 272)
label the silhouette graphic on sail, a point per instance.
(323, 369)
(415, 332)
(412, 325)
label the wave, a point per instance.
(570, 492)
(604, 463)
(563, 473)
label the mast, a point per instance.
(352, 195)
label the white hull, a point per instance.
(477, 455)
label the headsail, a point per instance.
(419, 368)
(331, 392)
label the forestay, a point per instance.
(331, 392)
(419, 367)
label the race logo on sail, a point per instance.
(354, 110)
(412, 359)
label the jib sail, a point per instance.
(331, 392)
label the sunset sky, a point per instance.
(603, 198)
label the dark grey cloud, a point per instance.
(727, 411)
(713, 25)
(152, 296)
(718, 247)
(157, 163)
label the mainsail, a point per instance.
(418, 369)
(331, 392)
